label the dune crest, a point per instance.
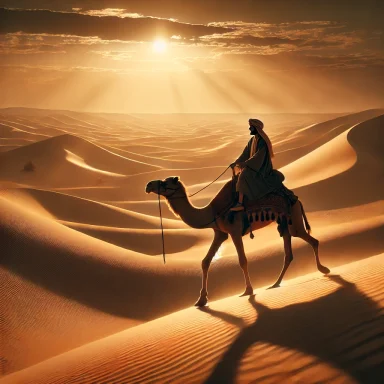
(50, 158)
(79, 161)
(330, 159)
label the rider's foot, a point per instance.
(238, 207)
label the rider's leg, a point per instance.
(239, 205)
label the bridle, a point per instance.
(163, 184)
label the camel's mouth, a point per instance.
(152, 186)
(149, 188)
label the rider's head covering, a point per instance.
(258, 124)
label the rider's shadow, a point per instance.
(319, 328)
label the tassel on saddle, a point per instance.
(282, 219)
(272, 207)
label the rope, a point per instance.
(217, 178)
(161, 224)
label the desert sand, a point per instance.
(85, 296)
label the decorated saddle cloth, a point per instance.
(278, 202)
(275, 206)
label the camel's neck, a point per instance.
(192, 216)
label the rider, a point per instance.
(257, 177)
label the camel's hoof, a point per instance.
(248, 291)
(276, 285)
(202, 302)
(323, 269)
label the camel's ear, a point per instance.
(175, 179)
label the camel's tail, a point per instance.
(307, 226)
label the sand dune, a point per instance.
(41, 260)
(283, 335)
(332, 158)
(30, 127)
(53, 167)
(146, 241)
(149, 207)
(83, 266)
(303, 142)
(154, 160)
(6, 148)
(18, 142)
(202, 175)
(102, 280)
(73, 209)
(10, 132)
(366, 176)
(133, 187)
(40, 324)
(82, 254)
(288, 148)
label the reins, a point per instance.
(217, 178)
(183, 197)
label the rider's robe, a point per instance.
(258, 177)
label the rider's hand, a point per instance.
(241, 165)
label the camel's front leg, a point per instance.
(238, 241)
(287, 259)
(219, 238)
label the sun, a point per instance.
(159, 46)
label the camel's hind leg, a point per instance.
(219, 238)
(287, 258)
(238, 241)
(314, 243)
(298, 230)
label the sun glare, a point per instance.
(159, 46)
(218, 254)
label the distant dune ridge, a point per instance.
(84, 294)
(66, 160)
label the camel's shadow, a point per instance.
(317, 328)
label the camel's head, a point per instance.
(167, 187)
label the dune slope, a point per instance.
(365, 177)
(77, 210)
(66, 160)
(283, 335)
(303, 141)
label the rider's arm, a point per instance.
(257, 160)
(244, 156)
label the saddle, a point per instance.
(275, 206)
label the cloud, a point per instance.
(118, 12)
(115, 55)
(26, 44)
(297, 61)
(249, 40)
(56, 68)
(108, 27)
(367, 13)
(268, 38)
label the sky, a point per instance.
(184, 56)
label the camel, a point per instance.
(224, 226)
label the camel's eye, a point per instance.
(163, 184)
